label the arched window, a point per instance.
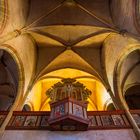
(111, 107)
(26, 108)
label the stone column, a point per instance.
(131, 119)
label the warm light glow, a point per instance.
(101, 95)
(68, 73)
(34, 96)
(46, 106)
(91, 106)
(96, 101)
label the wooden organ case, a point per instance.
(68, 105)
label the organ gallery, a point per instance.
(69, 69)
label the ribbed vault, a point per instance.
(40, 101)
(88, 36)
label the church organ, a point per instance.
(68, 105)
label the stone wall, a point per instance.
(123, 134)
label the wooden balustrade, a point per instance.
(97, 120)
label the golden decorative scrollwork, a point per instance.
(68, 88)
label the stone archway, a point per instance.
(132, 97)
(26, 107)
(13, 81)
(117, 84)
(8, 80)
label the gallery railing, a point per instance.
(97, 120)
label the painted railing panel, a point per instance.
(97, 120)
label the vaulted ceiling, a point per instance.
(64, 30)
(71, 33)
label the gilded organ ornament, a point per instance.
(68, 105)
(68, 88)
